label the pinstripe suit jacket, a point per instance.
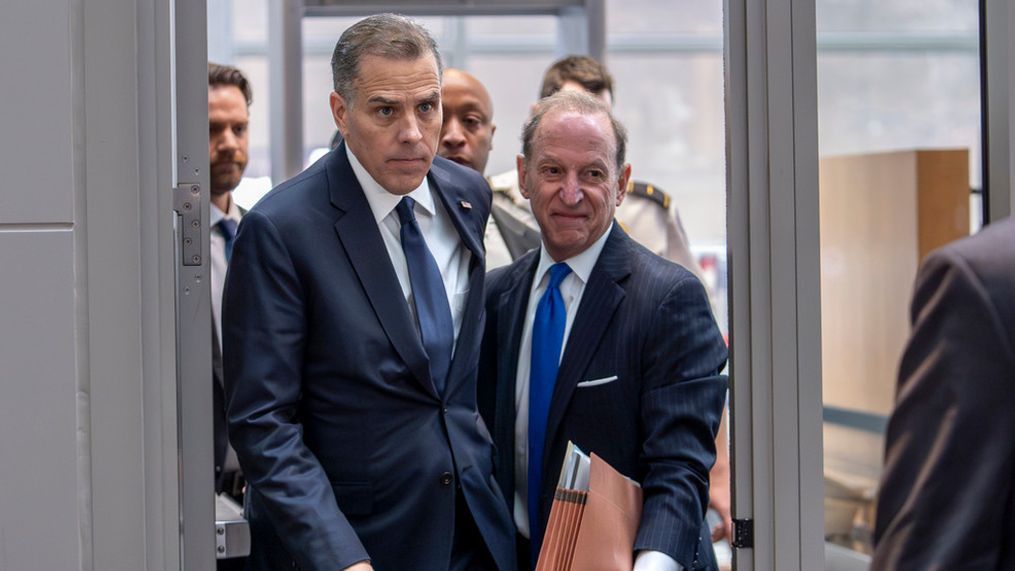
(947, 498)
(648, 322)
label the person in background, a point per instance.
(596, 340)
(354, 306)
(947, 499)
(467, 138)
(229, 99)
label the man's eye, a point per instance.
(596, 174)
(426, 107)
(385, 111)
(472, 122)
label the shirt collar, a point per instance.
(381, 201)
(581, 265)
(216, 214)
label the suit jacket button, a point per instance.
(446, 479)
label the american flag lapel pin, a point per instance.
(465, 204)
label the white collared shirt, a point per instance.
(446, 246)
(217, 249)
(572, 288)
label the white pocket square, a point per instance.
(596, 382)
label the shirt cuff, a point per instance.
(655, 561)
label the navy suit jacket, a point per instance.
(349, 451)
(648, 322)
(947, 498)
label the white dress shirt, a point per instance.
(438, 231)
(217, 247)
(218, 267)
(572, 288)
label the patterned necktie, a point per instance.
(228, 228)
(547, 341)
(436, 328)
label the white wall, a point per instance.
(72, 464)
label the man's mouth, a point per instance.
(219, 167)
(460, 160)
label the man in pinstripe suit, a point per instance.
(620, 343)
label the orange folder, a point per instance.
(593, 519)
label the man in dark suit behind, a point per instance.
(594, 339)
(352, 334)
(947, 498)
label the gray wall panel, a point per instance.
(38, 418)
(37, 112)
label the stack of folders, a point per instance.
(594, 517)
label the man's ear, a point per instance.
(493, 131)
(339, 111)
(622, 181)
(520, 164)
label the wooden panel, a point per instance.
(943, 180)
(880, 215)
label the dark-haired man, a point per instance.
(353, 313)
(229, 99)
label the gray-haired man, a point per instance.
(353, 313)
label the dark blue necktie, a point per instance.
(228, 228)
(436, 328)
(547, 339)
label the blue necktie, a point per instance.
(436, 328)
(547, 339)
(228, 228)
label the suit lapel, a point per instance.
(511, 309)
(456, 204)
(466, 223)
(600, 301)
(363, 244)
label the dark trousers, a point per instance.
(524, 550)
(468, 550)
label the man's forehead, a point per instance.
(563, 122)
(466, 85)
(402, 72)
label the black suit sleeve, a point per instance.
(264, 336)
(949, 454)
(682, 399)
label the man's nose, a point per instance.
(571, 192)
(227, 142)
(410, 131)
(452, 136)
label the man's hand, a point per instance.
(361, 566)
(719, 500)
(719, 486)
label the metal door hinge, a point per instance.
(187, 203)
(743, 533)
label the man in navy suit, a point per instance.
(594, 339)
(354, 308)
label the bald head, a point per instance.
(467, 131)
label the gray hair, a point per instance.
(577, 102)
(386, 35)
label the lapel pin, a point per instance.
(465, 204)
